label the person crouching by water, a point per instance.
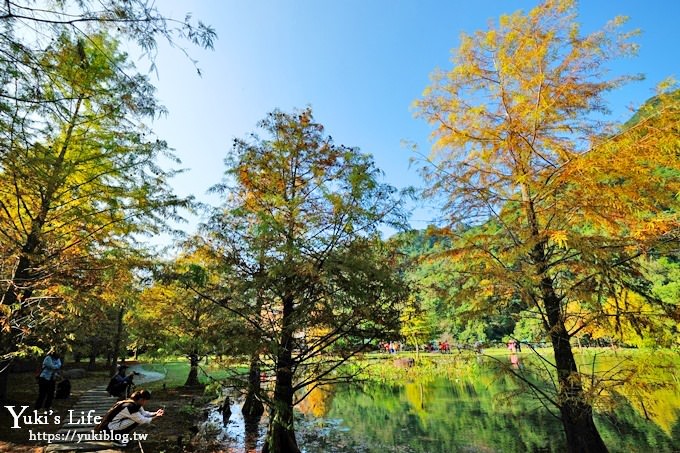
(127, 415)
(47, 379)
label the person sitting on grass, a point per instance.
(127, 415)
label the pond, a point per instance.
(476, 410)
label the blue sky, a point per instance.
(359, 64)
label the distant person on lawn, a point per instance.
(126, 415)
(47, 379)
(120, 385)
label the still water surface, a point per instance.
(480, 412)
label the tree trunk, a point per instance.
(281, 434)
(252, 406)
(280, 439)
(17, 292)
(576, 413)
(91, 364)
(19, 289)
(192, 379)
(252, 429)
(117, 340)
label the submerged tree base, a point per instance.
(252, 407)
(281, 441)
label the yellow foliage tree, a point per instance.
(547, 201)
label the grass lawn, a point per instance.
(176, 372)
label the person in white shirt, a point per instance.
(129, 414)
(47, 379)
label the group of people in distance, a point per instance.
(393, 347)
(125, 415)
(442, 346)
(514, 347)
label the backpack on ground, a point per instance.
(63, 389)
(111, 388)
(38, 372)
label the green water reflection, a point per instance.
(478, 414)
(478, 408)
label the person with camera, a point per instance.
(47, 379)
(120, 385)
(127, 415)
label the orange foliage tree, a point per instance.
(547, 201)
(305, 267)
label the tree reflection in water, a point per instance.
(482, 412)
